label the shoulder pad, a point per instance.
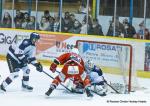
(25, 43)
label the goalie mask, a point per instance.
(89, 65)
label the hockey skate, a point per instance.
(88, 92)
(100, 89)
(2, 89)
(26, 87)
(52, 87)
(78, 89)
(49, 92)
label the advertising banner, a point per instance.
(51, 45)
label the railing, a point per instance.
(72, 17)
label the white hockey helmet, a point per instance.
(75, 50)
(89, 64)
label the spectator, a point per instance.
(44, 24)
(96, 28)
(136, 36)
(140, 32)
(146, 34)
(67, 25)
(51, 23)
(31, 24)
(47, 14)
(73, 19)
(129, 29)
(18, 19)
(76, 28)
(7, 20)
(119, 28)
(84, 28)
(26, 20)
(56, 23)
(89, 23)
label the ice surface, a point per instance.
(16, 97)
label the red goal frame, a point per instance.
(121, 44)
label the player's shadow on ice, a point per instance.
(65, 95)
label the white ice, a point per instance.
(41, 82)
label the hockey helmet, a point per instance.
(89, 64)
(35, 36)
(75, 50)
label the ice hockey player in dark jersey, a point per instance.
(96, 77)
(95, 74)
(18, 58)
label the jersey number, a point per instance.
(73, 70)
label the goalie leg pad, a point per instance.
(100, 89)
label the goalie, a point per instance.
(96, 77)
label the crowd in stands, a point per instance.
(69, 24)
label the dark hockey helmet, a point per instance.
(35, 36)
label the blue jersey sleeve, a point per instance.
(98, 70)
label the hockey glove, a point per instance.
(25, 60)
(39, 67)
(30, 60)
(53, 67)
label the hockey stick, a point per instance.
(111, 86)
(54, 78)
(98, 93)
(91, 90)
(104, 82)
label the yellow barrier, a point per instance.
(140, 73)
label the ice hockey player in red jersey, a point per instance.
(73, 67)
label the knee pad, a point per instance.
(26, 71)
(14, 75)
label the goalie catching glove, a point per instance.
(39, 67)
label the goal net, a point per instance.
(115, 59)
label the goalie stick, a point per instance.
(111, 86)
(60, 83)
(91, 90)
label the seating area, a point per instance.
(47, 15)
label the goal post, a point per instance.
(115, 59)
